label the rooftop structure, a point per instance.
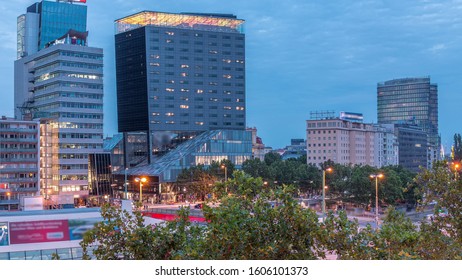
(197, 21)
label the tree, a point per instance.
(217, 169)
(256, 168)
(125, 236)
(441, 186)
(248, 227)
(196, 181)
(272, 157)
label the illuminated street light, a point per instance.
(324, 187)
(142, 180)
(456, 166)
(376, 176)
(226, 171)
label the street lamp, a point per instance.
(126, 183)
(141, 180)
(456, 169)
(223, 166)
(376, 176)
(324, 191)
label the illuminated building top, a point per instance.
(207, 22)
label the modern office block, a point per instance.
(19, 161)
(413, 146)
(411, 100)
(179, 75)
(61, 84)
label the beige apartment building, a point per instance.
(342, 141)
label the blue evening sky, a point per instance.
(301, 55)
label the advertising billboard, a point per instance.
(77, 228)
(3, 234)
(39, 231)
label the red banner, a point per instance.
(3, 186)
(39, 231)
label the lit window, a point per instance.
(199, 91)
(170, 89)
(200, 123)
(170, 114)
(184, 106)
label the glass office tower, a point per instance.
(180, 76)
(413, 101)
(45, 21)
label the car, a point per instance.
(198, 206)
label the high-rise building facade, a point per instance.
(62, 85)
(179, 75)
(19, 161)
(181, 80)
(46, 21)
(411, 100)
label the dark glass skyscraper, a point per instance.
(181, 80)
(410, 100)
(180, 72)
(179, 75)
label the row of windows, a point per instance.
(68, 94)
(17, 165)
(211, 99)
(210, 59)
(71, 178)
(17, 126)
(197, 35)
(200, 123)
(184, 106)
(80, 125)
(18, 156)
(18, 136)
(73, 166)
(82, 55)
(322, 145)
(18, 146)
(171, 114)
(68, 84)
(73, 156)
(225, 84)
(80, 146)
(82, 116)
(81, 135)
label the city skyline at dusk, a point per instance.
(300, 57)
